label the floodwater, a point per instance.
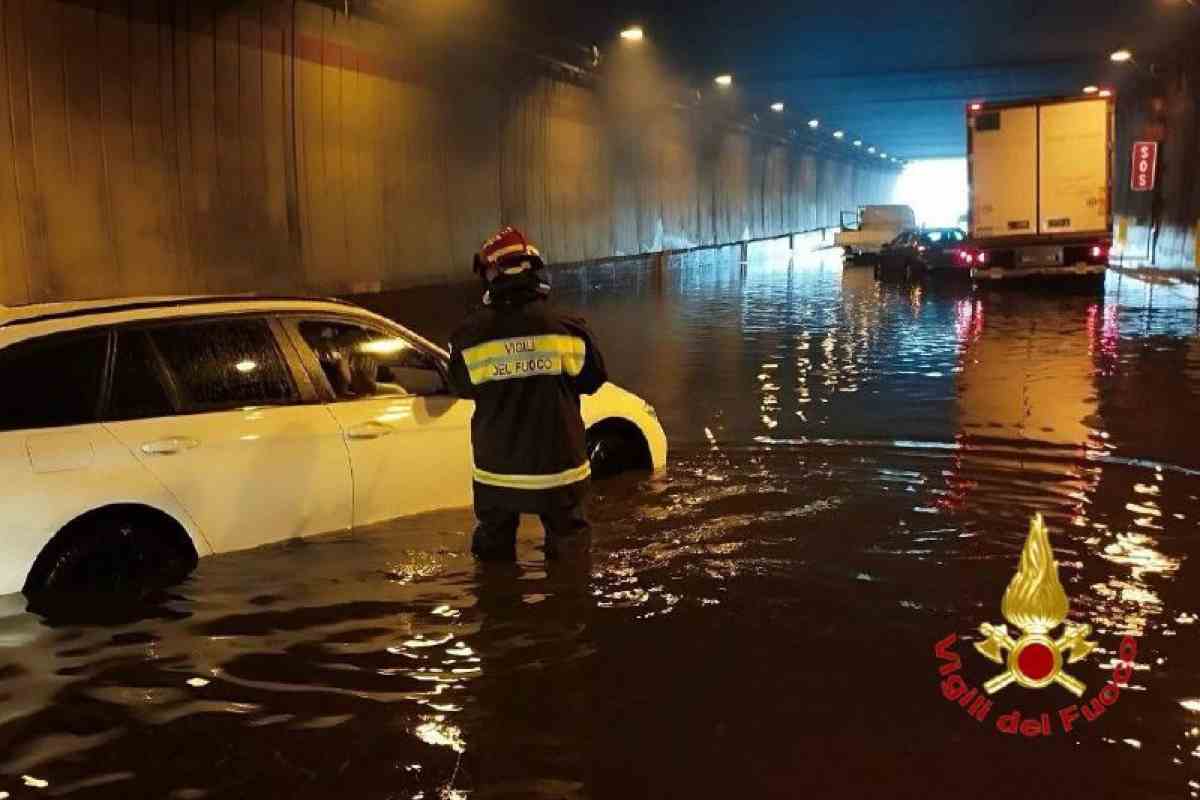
(853, 470)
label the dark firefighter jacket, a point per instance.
(525, 367)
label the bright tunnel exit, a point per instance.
(937, 191)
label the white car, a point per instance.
(138, 435)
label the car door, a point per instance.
(894, 254)
(213, 409)
(409, 438)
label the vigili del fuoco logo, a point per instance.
(1032, 657)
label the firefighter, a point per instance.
(525, 366)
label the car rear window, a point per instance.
(224, 364)
(52, 382)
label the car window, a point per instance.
(52, 382)
(222, 364)
(137, 388)
(934, 237)
(359, 361)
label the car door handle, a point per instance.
(369, 430)
(169, 446)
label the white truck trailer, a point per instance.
(1040, 178)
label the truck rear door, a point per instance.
(1073, 175)
(1004, 172)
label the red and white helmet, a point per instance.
(509, 252)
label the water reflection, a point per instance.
(854, 464)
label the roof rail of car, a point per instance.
(133, 304)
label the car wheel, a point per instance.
(115, 554)
(611, 453)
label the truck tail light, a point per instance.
(1098, 251)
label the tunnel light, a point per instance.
(870, 149)
(883, 156)
(839, 134)
(814, 123)
(1121, 56)
(633, 33)
(1106, 92)
(246, 367)
(1091, 89)
(723, 80)
(858, 142)
(777, 107)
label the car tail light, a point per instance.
(1097, 251)
(963, 256)
(982, 258)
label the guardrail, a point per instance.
(663, 256)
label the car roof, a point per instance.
(38, 312)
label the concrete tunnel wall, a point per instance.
(1161, 228)
(174, 146)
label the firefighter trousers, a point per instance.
(495, 536)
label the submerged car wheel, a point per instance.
(112, 553)
(616, 446)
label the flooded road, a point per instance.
(853, 469)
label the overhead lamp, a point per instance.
(777, 107)
(1106, 92)
(723, 80)
(839, 134)
(814, 123)
(1091, 89)
(858, 142)
(1121, 56)
(633, 33)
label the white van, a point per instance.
(865, 232)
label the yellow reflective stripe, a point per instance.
(564, 478)
(525, 356)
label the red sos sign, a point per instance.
(1145, 166)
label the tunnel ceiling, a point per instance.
(896, 74)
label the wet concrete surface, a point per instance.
(854, 466)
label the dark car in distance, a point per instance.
(925, 250)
